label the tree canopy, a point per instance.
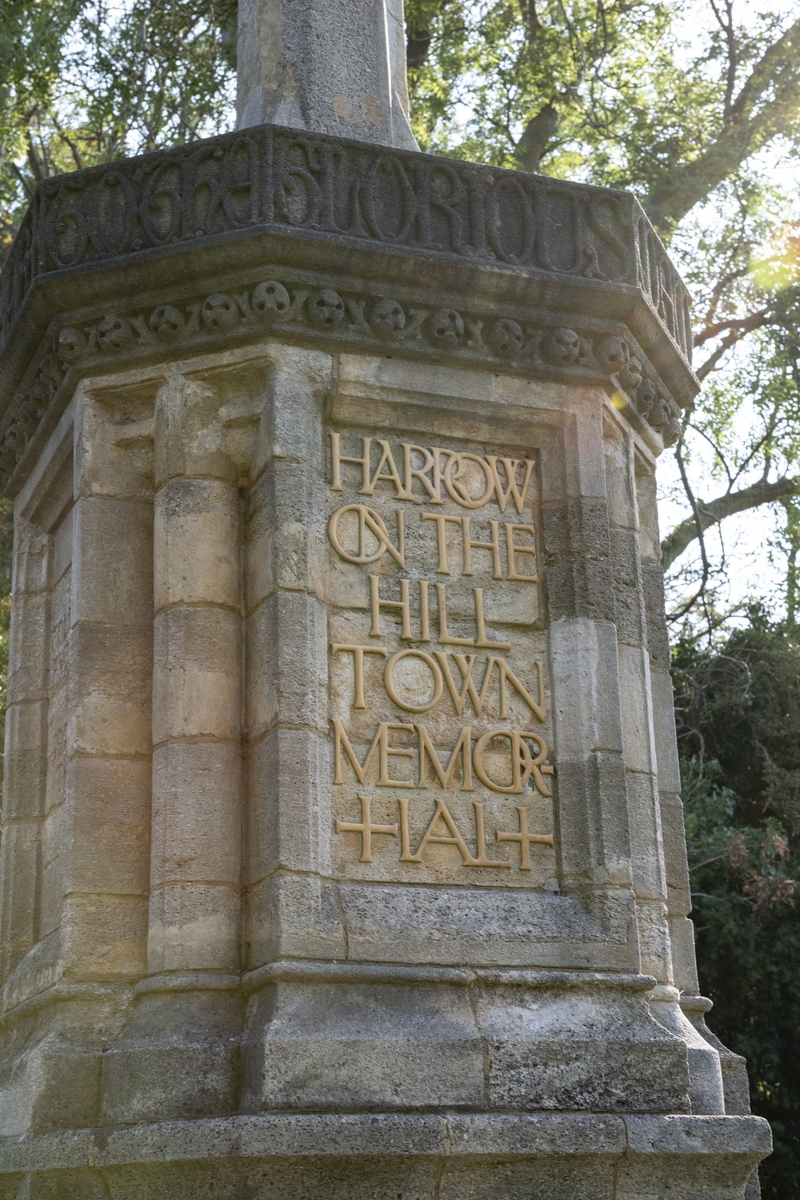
(738, 718)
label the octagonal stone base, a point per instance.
(397, 1156)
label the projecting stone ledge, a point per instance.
(341, 244)
(380, 1156)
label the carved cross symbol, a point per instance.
(525, 839)
(366, 828)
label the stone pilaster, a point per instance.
(197, 703)
(25, 774)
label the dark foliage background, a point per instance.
(738, 715)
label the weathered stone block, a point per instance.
(193, 924)
(585, 666)
(657, 640)
(51, 868)
(174, 1061)
(114, 440)
(378, 1047)
(580, 587)
(186, 431)
(490, 927)
(196, 543)
(81, 1184)
(543, 1053)
(32, 551)
(637, 718)
(620, 477)
(689, 1141)
(337, 1178)
(110, 587)
(289, 818)
(286, 663)
(27, 648)
(25, 763)
(576, 526)
(110, 689)
(299, 383)
(575, 468)
(62, 1086)
(655, 955)
(197, 654)
(104, 937)
(644, 816)
(196, 813)
(629, 606)
(284, 534)
(577, 1178)
(647, 510)
(683, 959)
(350, 1157)
(107, 825)
(19, 882)
(677, 868)
(594, 821)
(293, 916)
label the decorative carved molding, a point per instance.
(362, 320)
(277, 178)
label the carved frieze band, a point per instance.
(278, 178)
(348, 318)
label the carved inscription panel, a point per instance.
(440, 727)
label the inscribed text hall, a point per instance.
(439, 713)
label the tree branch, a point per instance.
(531, 18)
(714, 511)
(419, 33)
(726, 25)
(718, 290)
(745, 130)
(538, 133)
(698, 533)
(740, 325)
(738, 330)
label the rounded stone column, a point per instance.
(178, 1055)
(196, 815)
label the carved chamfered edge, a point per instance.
(338, 242)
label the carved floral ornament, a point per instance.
(329, 314)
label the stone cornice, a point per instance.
(340, 243)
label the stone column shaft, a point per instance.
(196, 837)
(295, 67)
(595, 838)
(25, 775)
(669, 781)
(647, 854)
(290, 902)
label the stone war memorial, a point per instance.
(342, 851)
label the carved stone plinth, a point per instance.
(342, 851)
